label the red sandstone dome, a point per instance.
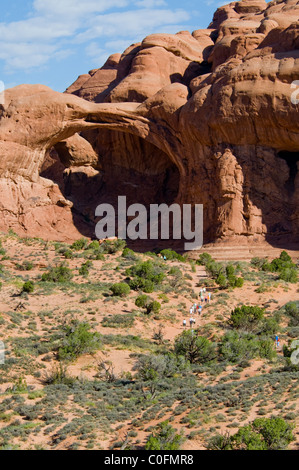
(204, 118)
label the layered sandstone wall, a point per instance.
(204, 118)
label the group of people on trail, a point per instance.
(277, 342)
(204, 295)
(197, 308)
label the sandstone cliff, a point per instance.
(204, 118)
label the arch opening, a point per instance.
(127, 166)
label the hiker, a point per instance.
(191, 310)
(209, 296)
(191, 322)
(199, 309)
(184, 323)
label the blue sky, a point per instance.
(53, 41)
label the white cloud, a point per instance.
(130, 23)
(55, 28)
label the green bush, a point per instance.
(289, 275)
(129, 254)
(77, 340)
(85, 268)
(79, 245)
(172, 255)
(195, 349)
(262, 434)
(58, 274)
(120, 289)
(25, 266)
(247, 317)
(164, 437)
(28, 287)
(238, 347)
(142, 301)
(204, 259)
(111, 247)
(119, 321)
(292, 310)
(153, 307)
(160, 366)
(145, 276)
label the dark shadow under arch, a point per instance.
(127, 166)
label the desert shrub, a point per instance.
(119, 321)
(28, 287)
(204, 259)
(111, 247)
(289, 275)
(77, 340)
(237, 347)
(142, 301)
(240, 347)
(220, 442)
(282, 265)
(195, 349)
(225, 276)
(2, 250)
(260, 263)
(247, 317)
(68, 254)
(264, 434)
(85, 268)
(58, 375)
(58, 274)
(25, 266)
(120, 289)
(156, 367)
(93, 245)
(79, 245)
(20, 386)
(172, 255)
(153, 307)
(145, 276)
(145, 285)
(239, 282)
(129, 254)
(164, 437)
(292, 310)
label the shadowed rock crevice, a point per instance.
(126, 166)
(292, 160)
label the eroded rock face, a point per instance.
(203, 118)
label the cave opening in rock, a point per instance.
(292, 159)
(127, 166)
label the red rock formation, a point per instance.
(202, 118)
